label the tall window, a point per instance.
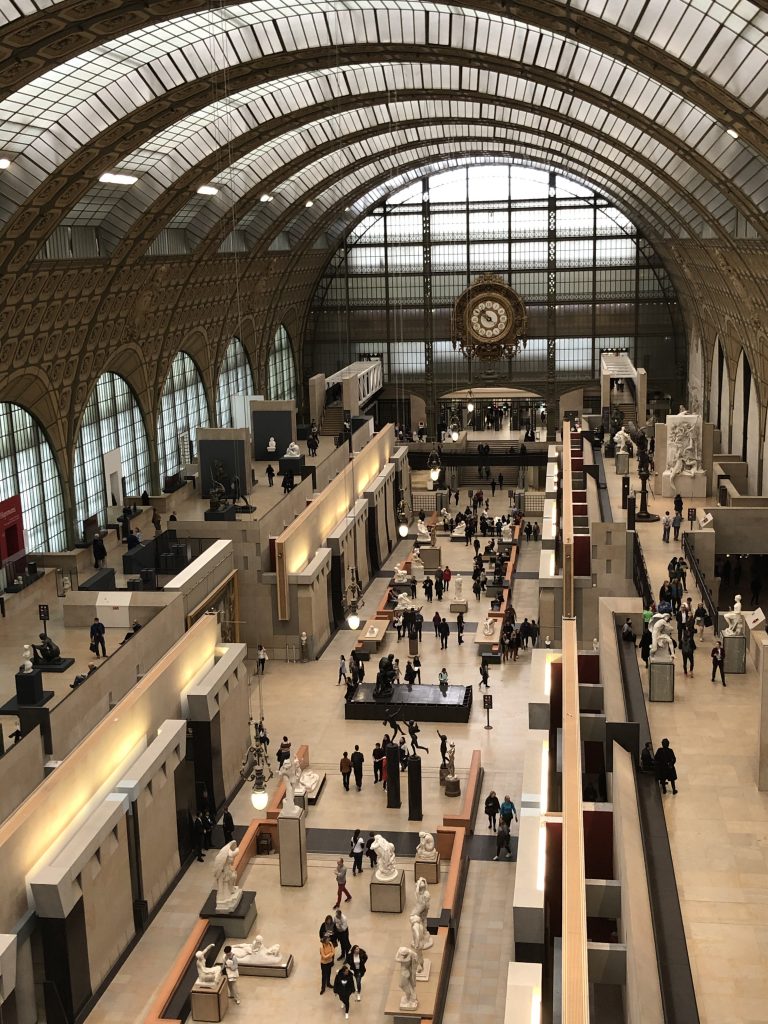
(182, 410)
(27, 468)
(235, 378)
(610, 288)
(281, 372)
(112, 419)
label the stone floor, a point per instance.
(718, 825)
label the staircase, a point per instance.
(332, 422)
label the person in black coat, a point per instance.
(357, 766)
(228, 825)
(99, 552)
(198, 835)
(355, 961)
(344, 986)
(665, 766)
(492, 809)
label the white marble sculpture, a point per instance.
(228, 892)
(290, 807)
(207, 977)
(296, 772)
(737, 624)
(684, 473)
(271, 445)
(386, 869)
(460, 529)
(417, 566)
(407, 958)
(26, 656)
(309, 779)
(488, 627)
(422, 532)
(622, 440)
(421, 909)
(458, 586)
(404, 602)
(401, 576)
(292, 451)
(426, 849)
(661, 636)
(256, 953)
(451, 758)
(506, 532)
(446, 515)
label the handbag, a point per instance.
(93, 648)
(707, 620)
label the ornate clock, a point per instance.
(489, 319)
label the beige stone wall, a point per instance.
(156, 808)
(233, 718)
(108, 903)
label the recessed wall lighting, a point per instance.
(4, 163)
(265, 198)
(207, 190)
(118, 179)
(732, 132)
(309, 202)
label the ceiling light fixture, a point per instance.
(118, 179)
(207, 190)
(732, 132)
(309, 202)
(265, 198)
(4, 163)
(353, 599)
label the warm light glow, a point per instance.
(536, 1005)
(207, 190)
(470, 406)
(544, 776)
(4, 163)
(353, 620)
(548, 677)
(454, 435)
(259, 800)
(542, 860)
(309, 202)
(434, 474)
(403, 529)
(265, 198)
(118, 179)
(732, 132)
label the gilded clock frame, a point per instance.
(506, 344)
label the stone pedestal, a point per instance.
(735, 648)
(621, 462)
(388, 897)
(292, 835)
(686, 486)
(237, 922)
(427, 869)
(431, 557)
(210, 1004)
(661, 679)
(459, 606)
(452, 786)
(413, 645)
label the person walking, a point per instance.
(677, 522)
(445, 632)
(439, 587)
(341, 931)
(97, 639)
(356, 959)
(378, 757)
(284, 751)
(261, 659)
(645, 644)
(508, 811)
(341, 883)
(502, 840)
(345, 767)
(442, 678)
(484, 677)
(270, 472)
(718, 662)
(492, 807)
(666, 526)
(447, 576)
(357, 766)
(664, 762)
(342, 669)
(688, 646)
(198, 836)
(344, 986)
(427, 584)
(356, 850)
(677, 504)
(228, 826)
(525, 633)
(232, 973)
(528, 531)
(99, 552)
(460, 628)
(326, 963)
(436, 623)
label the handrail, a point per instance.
(706, 593)
(640, 575)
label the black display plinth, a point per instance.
(56, 666)
(29, 687)
(291, 465)
(423, 703)
(229, 512)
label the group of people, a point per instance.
(672, 523)
(505, 812)
(440, 585)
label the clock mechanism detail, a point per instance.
(489, 319)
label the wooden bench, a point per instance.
(465, 817)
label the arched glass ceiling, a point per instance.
(67, 108)
(212, 133)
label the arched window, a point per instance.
(182, 410)
(112, 419)
(28, 468)
(281, 372)
(235, 378)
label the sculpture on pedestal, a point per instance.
(737, 624)
(506, 532)
(26, 656)
(385, 678)
(683, 448)
(426, 849)
(386, 869)
(407, 959)
(488, 627)
(256, 953)
(228, 892)
(207, 977)
(271, 445)
(417, 566)
(661, 634)
(290, 807)
(46, 652)
(422, 532)
(451, 761)
(622, 440)
(292, 451)
(460, 529)
(401, 576)
(458, 586)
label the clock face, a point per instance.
(488, 319)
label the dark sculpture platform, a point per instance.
(424, 703)
(58, 666)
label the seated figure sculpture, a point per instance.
(401, 576)
(271, 445)
(292, 451)
(661, 632)
(426, 849)
(385, 678)
(737, 625)
(460, 529)
(46, 652)
(207, 977)
(422, 532)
